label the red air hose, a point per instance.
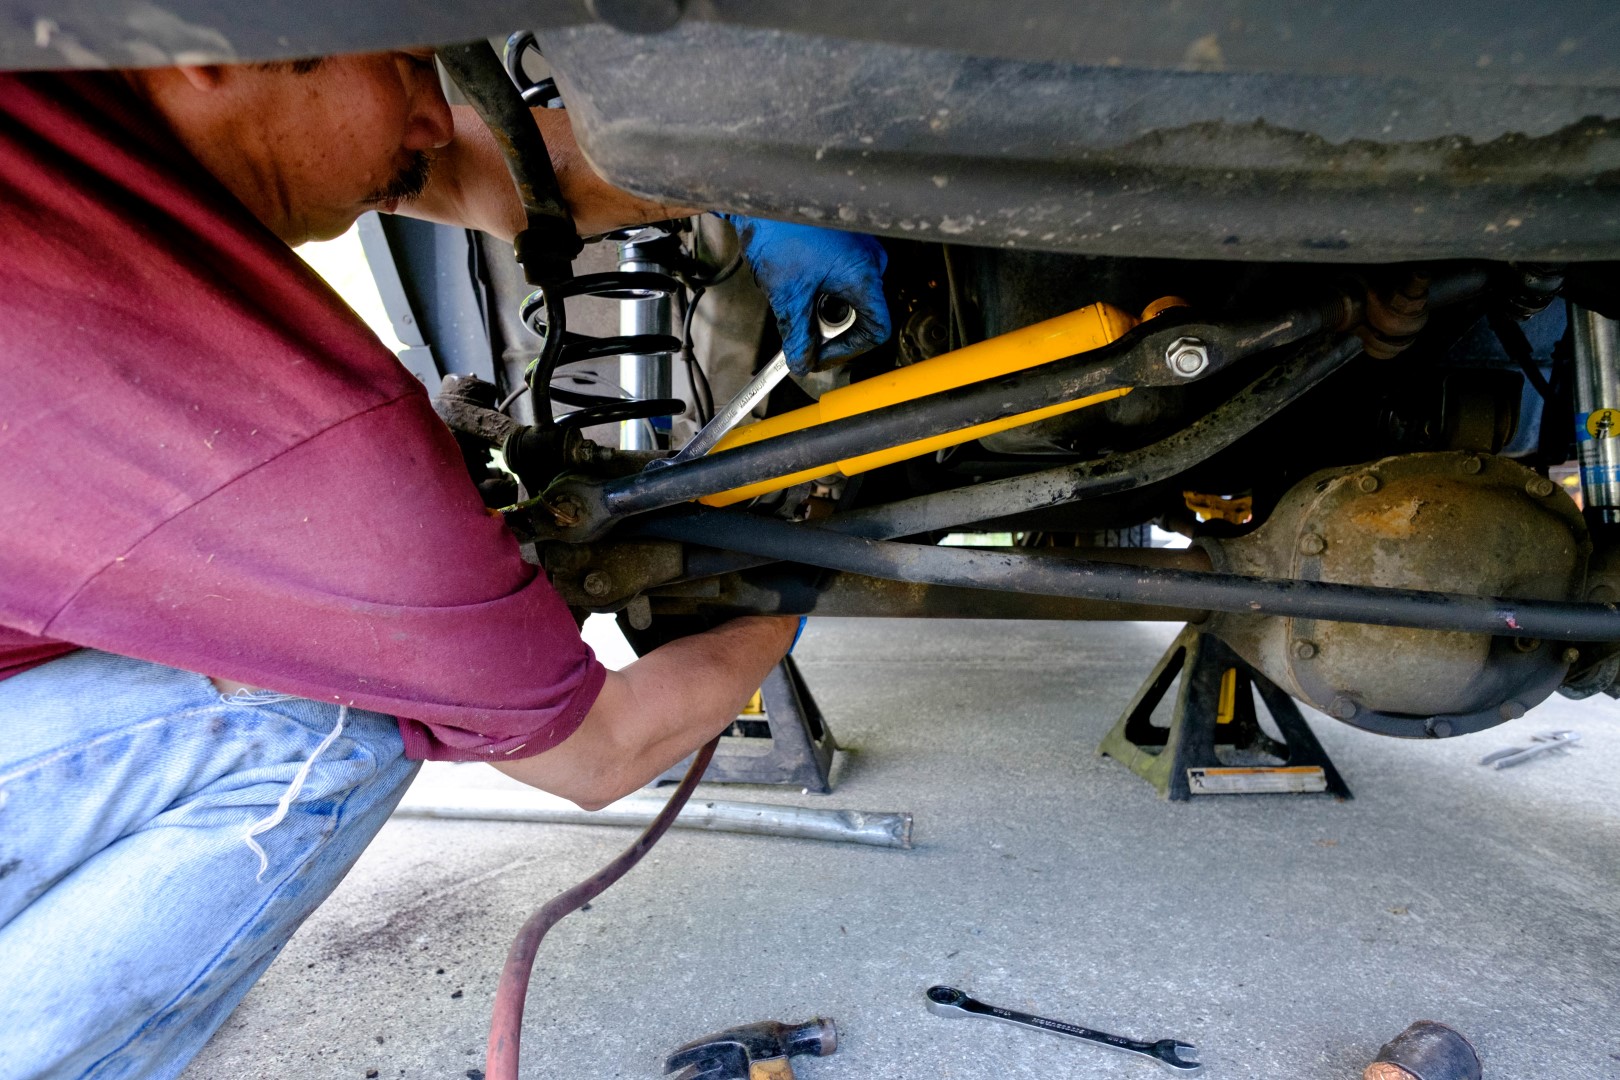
(506, 1026)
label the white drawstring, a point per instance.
(280, 812)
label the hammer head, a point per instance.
(753, 1051)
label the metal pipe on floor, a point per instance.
(873, 829)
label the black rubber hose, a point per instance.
(1517, 346)
(1014, 572)
(537, 93)
(549, 241)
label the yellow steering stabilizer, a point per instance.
(1077, 332)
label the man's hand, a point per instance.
(658, 710)
(795, 263)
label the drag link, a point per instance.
(1173, 1054)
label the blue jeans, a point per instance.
(135, 803)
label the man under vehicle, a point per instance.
(213, 467)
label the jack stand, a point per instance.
(798, 747)
(1214, 707)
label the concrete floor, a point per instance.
(1287, 936)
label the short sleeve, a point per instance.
(358, 566)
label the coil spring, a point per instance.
(543, 312)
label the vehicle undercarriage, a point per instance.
(1359, 449)
(1333, 302)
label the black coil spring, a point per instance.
(543, 310)
(544, 313)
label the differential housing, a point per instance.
(1452, 522)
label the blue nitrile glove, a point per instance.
(795, 263)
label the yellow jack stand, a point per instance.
(1214, 710)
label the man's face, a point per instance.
(373, 118)
(322, 146)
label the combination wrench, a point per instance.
(833, 317)
(1180, 1056)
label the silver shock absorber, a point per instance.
(646, 293)
(1597, 412)
(644, 376)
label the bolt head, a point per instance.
(1540, 487)
(1511, 710)
(1305, 650)
(1472, 464)
(1343, 709)
(1571, 655)
(1440, 729)
(567, 510)
(597, 584)
(1368, 483)
(1187, 357)
(1312, 543)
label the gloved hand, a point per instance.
(794, 263)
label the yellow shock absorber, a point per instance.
(1077, 332)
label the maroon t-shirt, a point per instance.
(208, 461)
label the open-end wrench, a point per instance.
(949, 1001)
(833, 317)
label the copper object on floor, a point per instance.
(1426, 1051)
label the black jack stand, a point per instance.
(797, 747)
(1215, 708)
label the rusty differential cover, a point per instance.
(1449, 522)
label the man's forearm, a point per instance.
(470, 186)
(658, 710)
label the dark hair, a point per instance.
(302, 66)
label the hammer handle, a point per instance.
(770, 1069)
(1383, 1070)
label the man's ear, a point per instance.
(204, 77)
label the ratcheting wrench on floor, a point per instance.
(1540, 744)
(949, 1001)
